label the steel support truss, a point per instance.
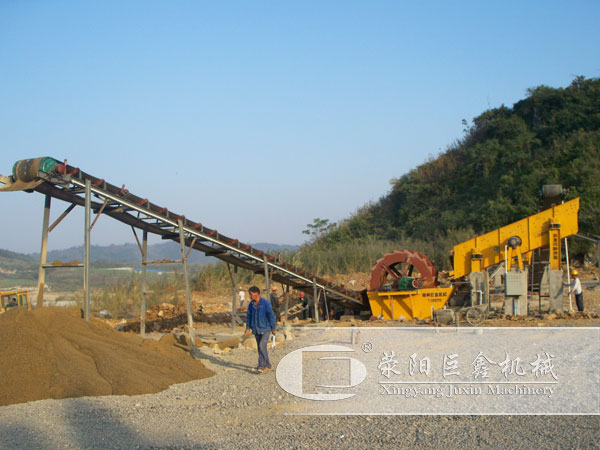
(70, 185)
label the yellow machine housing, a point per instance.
(21, 296)
(513, 242)
(415, 304)
(540, 230)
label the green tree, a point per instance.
(318, 228)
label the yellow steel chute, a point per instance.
(535, 232)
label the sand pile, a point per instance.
(53, 353)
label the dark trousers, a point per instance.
(263, 354)
(579, 301)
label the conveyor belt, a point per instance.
(67, 183)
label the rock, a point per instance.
(289, 335)
(184, 339)
(250, 343)
(279, 338)
(349, 318)
(229, 343)
(168, 339)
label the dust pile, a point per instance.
(53, 353)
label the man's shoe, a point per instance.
(267, 369)
(260, 370)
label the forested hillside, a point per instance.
(492, 176)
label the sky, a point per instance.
(257, 117)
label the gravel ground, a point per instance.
(240, 409)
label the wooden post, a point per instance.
(316, 300)
(266, 277)
(86, 251)
(62, 216)
(287, 303)
(568, 275)
(326, 306)
(234, 302)
(43, 253)
(144, 271)
(188, 294)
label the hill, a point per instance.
(16, 260)
(119, 254)
(492, 176)
(18, 269)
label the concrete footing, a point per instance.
(556, 290)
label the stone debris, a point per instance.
(167, 317)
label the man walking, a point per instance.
(261, 321)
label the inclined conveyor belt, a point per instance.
(68, 183)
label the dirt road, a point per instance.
(237, 408)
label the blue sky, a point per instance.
(254, 118)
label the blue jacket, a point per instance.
(260, 319)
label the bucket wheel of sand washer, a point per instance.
(403, 263)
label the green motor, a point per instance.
(409, 284)
(26, 170)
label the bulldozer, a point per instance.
(12, 298)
